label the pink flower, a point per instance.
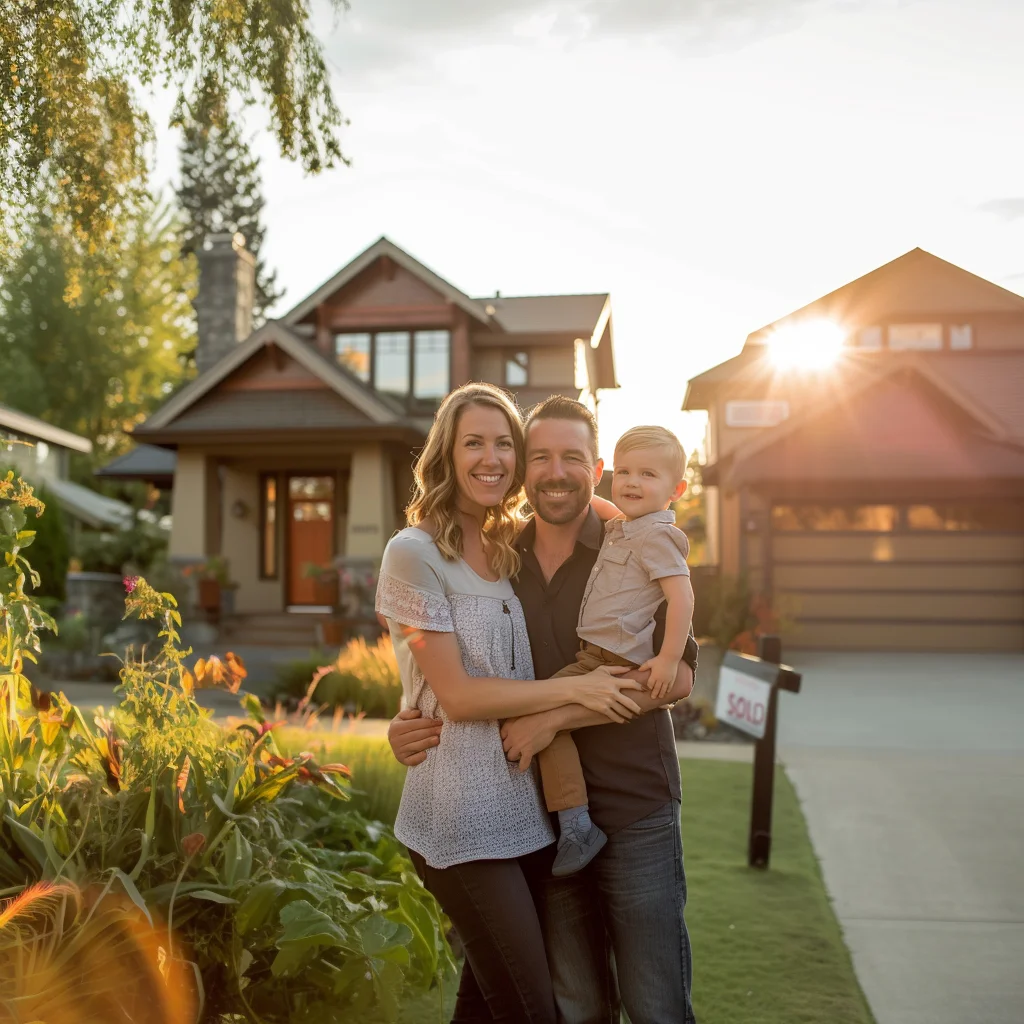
(130, 583)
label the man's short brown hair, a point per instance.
(558, 407)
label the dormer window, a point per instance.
(413, 366)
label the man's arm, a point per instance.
(524, 738)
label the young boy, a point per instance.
(641, 563)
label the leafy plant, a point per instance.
(740, 616)
(277, 901)
(363, 678)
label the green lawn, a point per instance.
(766, 945)
(767, 948)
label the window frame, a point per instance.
(411, 399)
(275, 573)
(508, 355)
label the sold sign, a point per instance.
(742, 701)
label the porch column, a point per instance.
(371, 502)
(189, 508)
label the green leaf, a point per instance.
(28, 842)
(378, 934)
(237, 858)
(133, 893)
(306, 931)
(213, 897)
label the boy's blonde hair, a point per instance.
(655, 437)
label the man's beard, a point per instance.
(559, 510)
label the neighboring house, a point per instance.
(882, 499)
(44, 464)
(295, 443)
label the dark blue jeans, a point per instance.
(627, 904)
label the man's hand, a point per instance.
(524, 738)
(411, 736)
(663, 671)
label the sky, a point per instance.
(713, 164)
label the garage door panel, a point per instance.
(907, 636)
(897, 605)
(898, 547)
(890, 576)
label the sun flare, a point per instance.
(811, 345)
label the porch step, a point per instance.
(280, 629)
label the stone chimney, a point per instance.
(227, 282)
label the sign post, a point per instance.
(748, 693)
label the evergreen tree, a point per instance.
(221, 190)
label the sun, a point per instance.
(808, 345)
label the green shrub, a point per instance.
(377, 778)
(364, 678)
(275, 893)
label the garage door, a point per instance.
(900, 577)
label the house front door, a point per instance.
(310, 534)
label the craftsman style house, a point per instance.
(294, 445)
(879, 497)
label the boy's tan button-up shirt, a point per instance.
(623, 592)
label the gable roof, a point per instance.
(983, 422)
(915, 262)
(894, 434)
(30, 427)
(385, 247)
(272, 333)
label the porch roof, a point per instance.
(899, 430)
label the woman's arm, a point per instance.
(604, 508)
(468, 698)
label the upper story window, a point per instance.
(517, 369)
(917, 337)
(411, 365)
(353, 352)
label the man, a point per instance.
(628, 902)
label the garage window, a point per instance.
(1002, 517)
(834, 518)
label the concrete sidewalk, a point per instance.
(910, 770)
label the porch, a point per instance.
(277, 510)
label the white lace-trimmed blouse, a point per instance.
(465, 801)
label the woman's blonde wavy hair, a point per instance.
(436, 487)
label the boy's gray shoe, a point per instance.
(574, 856)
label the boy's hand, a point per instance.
(663, 675)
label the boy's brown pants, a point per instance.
(560, 769)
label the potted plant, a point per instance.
(325, 583)
(212, 579)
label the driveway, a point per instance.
(910, 769)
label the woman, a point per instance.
(475, 825)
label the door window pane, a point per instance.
(391, 363)
(353, 352)
(431, 364)
(839, 518)
(268, 521)
(517, 370)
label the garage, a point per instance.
(915, 576)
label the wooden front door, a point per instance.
(310, 533)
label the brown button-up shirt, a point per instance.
(623, 591)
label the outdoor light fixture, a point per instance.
(807, 345)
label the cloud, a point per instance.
(1009, 208)
(387, 35)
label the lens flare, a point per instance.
(810, 345)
